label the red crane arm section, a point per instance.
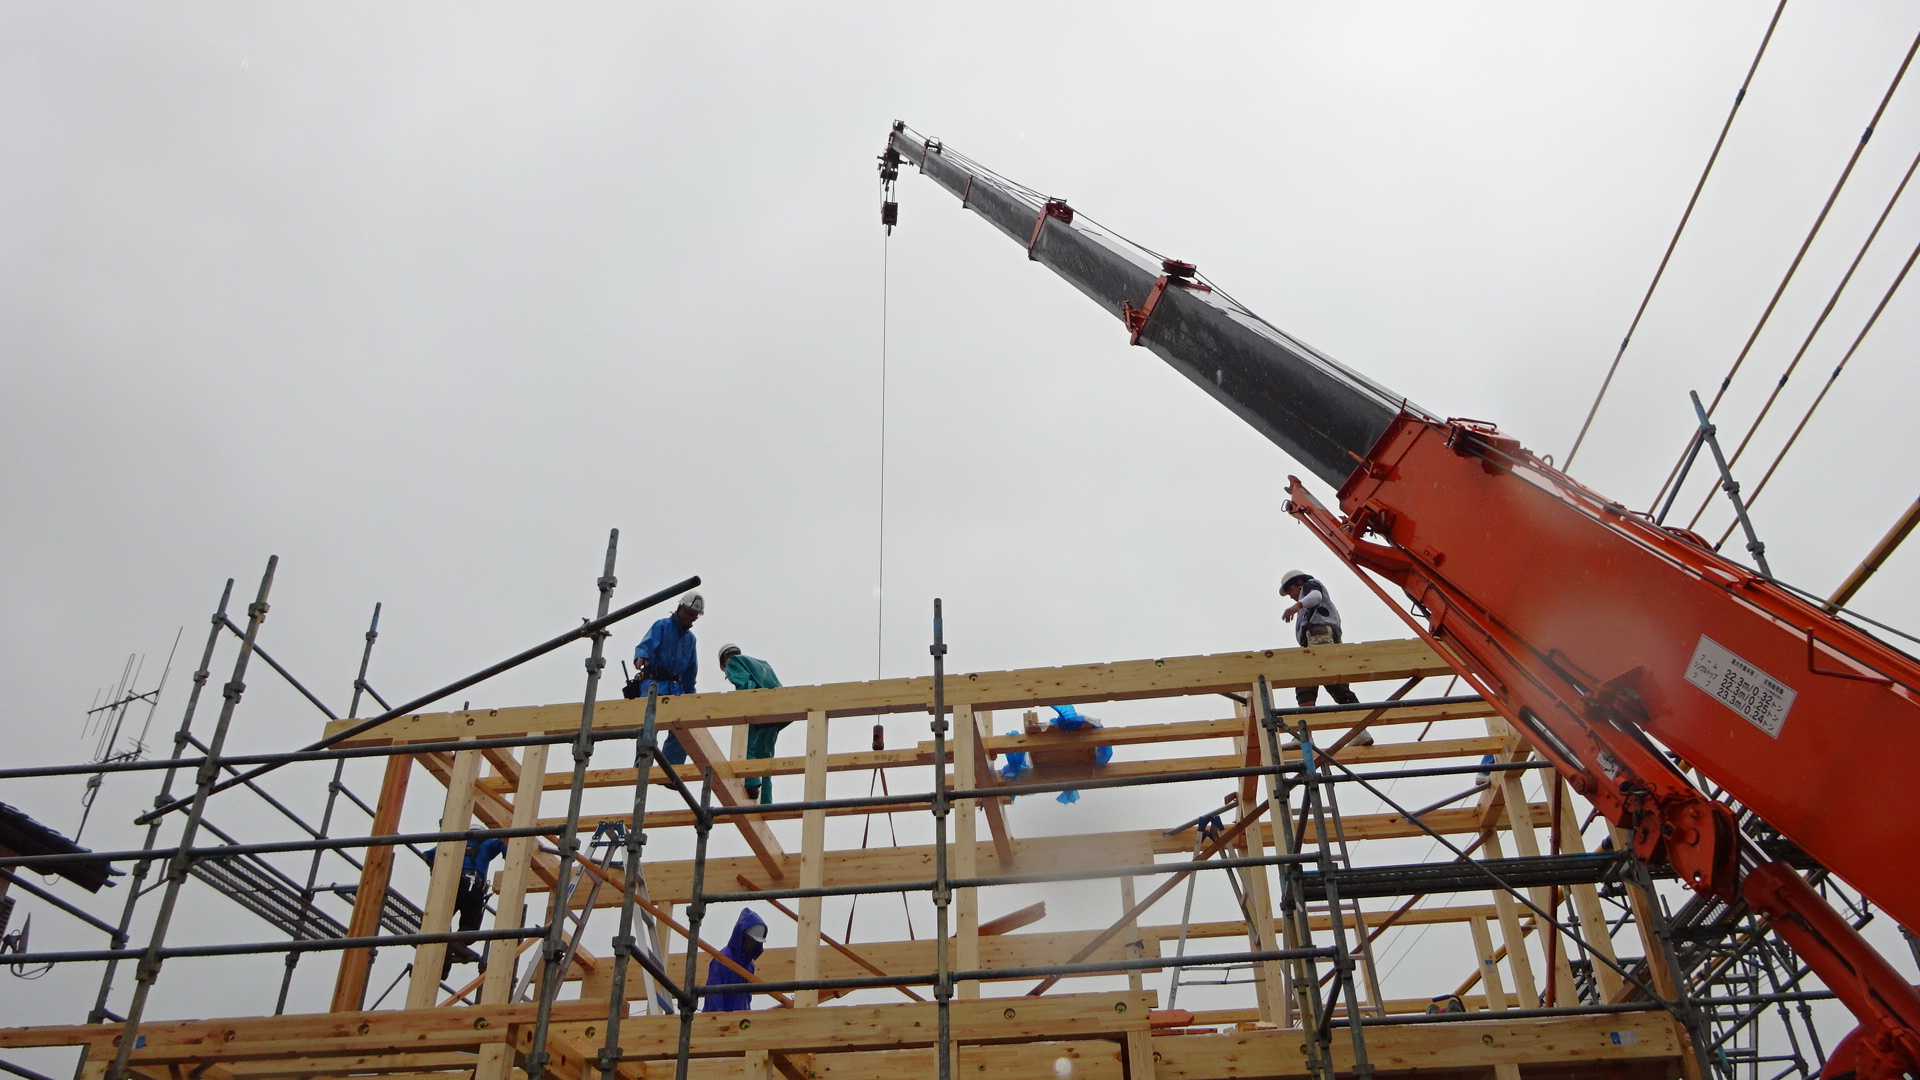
(1595, 631)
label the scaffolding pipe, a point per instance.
(147, 971)
(98, 1014)
(584, 630)
(559, 951)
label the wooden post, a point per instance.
(1271, 982)
(1489, 967)
(1586, 903)
(813, 842)
(965, 852)
(350, 985)
(1511, 932)
(1136, 948)
(511, 901)
(456, 815)
(1520, 819)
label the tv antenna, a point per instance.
(105, 723)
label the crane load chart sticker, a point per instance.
(1754, 694)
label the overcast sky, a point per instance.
(425, 298)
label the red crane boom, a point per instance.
(1604, 638)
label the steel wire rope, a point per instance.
(1822, 396)
(1832, 197)
(1685, 216)
(880, 554)
(1794, 364)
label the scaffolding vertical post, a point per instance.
(1293, 914)
(1342, 959)
(630, 879)
(696, 913)
(326, 814)
(558, 953)
(942, 895)
(148, 970)
(99, 1014)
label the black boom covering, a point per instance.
(1319, 412)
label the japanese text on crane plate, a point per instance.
(1761, 698)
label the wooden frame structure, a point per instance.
(1568, 1009)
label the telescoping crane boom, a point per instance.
(1600, 635)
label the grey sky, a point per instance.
(424, 298)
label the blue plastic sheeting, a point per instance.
(1065, 718)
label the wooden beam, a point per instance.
(456, 815)
(1029, 688)
(922, 753)
(350, 984)
(813, 842)
(1014, 920)
(704, 754)
(884, 1027)
(1619, 1040)
(983, 776)
(965, 861)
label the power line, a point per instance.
(1738, 97)
(1832, 197)
(1794, 364)
(1802, 426)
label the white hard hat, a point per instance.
(694, 602)
(1290, 577)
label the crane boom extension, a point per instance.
(1606, 640)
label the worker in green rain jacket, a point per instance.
(747, 673)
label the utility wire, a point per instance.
(1802, 425)
(1832, 197)
(880, 557)
(1794, 364)
(1738, 97)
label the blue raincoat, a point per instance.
(742, 950)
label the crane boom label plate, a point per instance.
(1754, 694)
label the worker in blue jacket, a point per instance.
(750, 673)
(470, 898)
(664, 663)
(744, 946)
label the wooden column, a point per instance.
(511, 901)
(1586, 903)
(1512, 934)
(456, 815)
(1136, 948)
(1489, 967)
(965, 854)
(1272, 982)
(813, 843)
(350, 985)
(1520, 820)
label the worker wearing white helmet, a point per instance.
(1318, 624)
(665, 662)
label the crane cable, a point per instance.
(1794, 364)
(880, 557)
(1738, 97)
(1832, 197)
(1802, 425)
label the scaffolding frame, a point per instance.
(1310, 841)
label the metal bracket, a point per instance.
(1177, 273)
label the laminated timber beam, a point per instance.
(1023, 689)
(883, 1042)
(993, 745)
(671, 882)
(843, 1028)
(1610, 1045)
